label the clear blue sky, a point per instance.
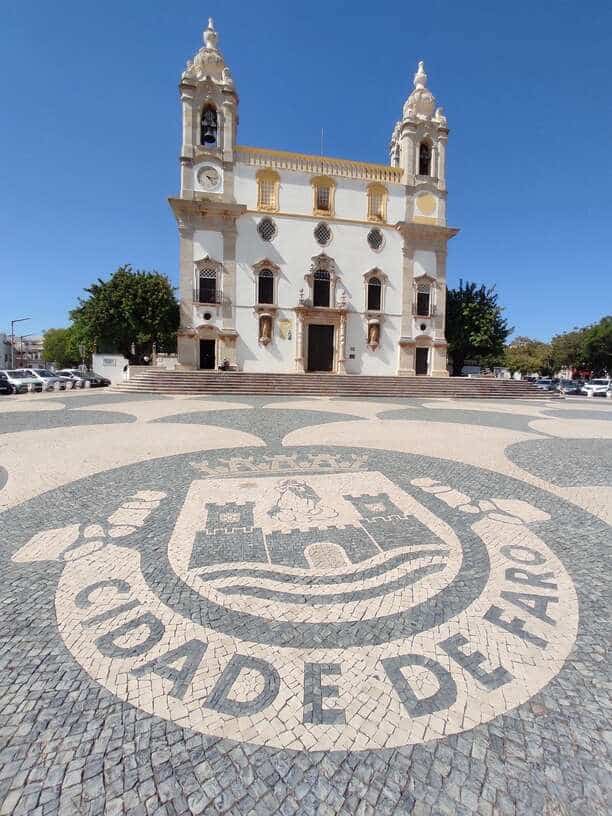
(91, 124)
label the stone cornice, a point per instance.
(425, 232)
(186, 209)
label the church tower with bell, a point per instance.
(291, 262)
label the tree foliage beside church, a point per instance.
(529, 356)
(586, 349)
(133, 309)
(60, 347)
(476, 329)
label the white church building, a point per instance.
(296, 263)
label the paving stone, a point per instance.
(77, 737)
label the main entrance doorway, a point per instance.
(320, 347)
(207, 354)
(421, 355)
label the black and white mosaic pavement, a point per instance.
(304, 606)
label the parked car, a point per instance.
(596, 388)
(547, 384)
(569, 386)
(5, 386)
(65, 380)
(20, 380)
(72, 374)
(79, 377)
(47, 378)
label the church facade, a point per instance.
(298, 263)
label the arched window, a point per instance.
(374, 294)
(424, 159)
(423, 300)
(321, 288)
(377, 202)
(208, 126)
(268, 183)
(265, 286)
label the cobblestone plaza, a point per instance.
(304, 606)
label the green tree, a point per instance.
(598, 346)
(58, 347)
(568, 349)
(475, 326)
(529, 356)
(133, 308)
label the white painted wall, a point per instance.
(424, 263)
(296, 195)
(109, 366)
(292, 250)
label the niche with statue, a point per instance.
(265, 328)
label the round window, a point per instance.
(322, 234)
(266, 229)
(375, 238)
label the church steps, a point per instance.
(147, 380)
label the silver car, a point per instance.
(21, 381)
(74, 375)
(47, 378)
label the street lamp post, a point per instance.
(17, 320)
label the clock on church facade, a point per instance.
(296, 263)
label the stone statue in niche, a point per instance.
(373, 334)
(265, 329)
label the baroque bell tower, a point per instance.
(206, 209)
(210, 116)
(418, 148)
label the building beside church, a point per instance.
(296, 263)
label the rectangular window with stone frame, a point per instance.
(268, 182)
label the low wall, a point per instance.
(109, 366)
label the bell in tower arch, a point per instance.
(208, 134)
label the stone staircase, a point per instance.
(159, 381)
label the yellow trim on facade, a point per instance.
(423, 219)
(272, 177)
(375, 189)
(325, 165)
(426, 203)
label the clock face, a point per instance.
(209, 177)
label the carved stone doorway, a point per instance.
(421, 361)
(207, 354)
(320, 347)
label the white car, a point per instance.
(596, 388)
(21, 381)
(47, 378)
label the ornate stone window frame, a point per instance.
(267, 176)
(317, 183)
(323, 262)
(374, 317)
(257, 268)
(265, 312)
(429, 284)
(375, 272)
(375, 214)
(203, 268)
